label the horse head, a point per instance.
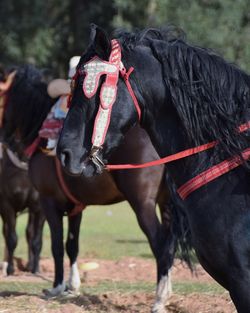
(106, 101)
(25, 107)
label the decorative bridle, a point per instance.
(93, 70)
(112, 69)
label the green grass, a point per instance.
(105, 286)
(108, 232)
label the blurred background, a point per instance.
(48, 33)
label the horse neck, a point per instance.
(169, 137)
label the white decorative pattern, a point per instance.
(101, 122)
(94, 69)
(108, 94)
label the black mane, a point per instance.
(130, 40)
(211, 96)
(29, 102)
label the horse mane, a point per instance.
(210, 95)
(29, 102)
(130, 40)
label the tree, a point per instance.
(48, 33)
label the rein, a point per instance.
(175, 156)
(201, 179)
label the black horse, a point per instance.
(188, 96)
(27, 106)
(16, 195)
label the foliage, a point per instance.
(48, 33)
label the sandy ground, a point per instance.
(127, 270)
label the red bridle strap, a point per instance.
(125, 74)
(167, 159)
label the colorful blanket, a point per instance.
(52, 125)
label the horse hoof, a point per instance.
(71, 293)
(159, 308)
(59, 290)
(10, 269)
(73, 289)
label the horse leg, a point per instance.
(164, 260)
(54, 217)
(72, 248)
(5, 261)
(29, 235)
(34, 232)
(162, 246)
(240, 293)
(9, 233)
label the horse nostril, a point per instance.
(65, 157)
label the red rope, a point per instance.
(167, 159)
(204, 177)
(79, 207)
(173, 157)
(32, 148)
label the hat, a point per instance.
(58, 87)
(73, 62)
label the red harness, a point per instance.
(101, 124)
(79, 207)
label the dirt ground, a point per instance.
(127, 270)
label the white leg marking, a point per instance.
(170, 288)
(74, 278)
(4, 268)
(164, 290)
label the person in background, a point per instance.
(58, 88)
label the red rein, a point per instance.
(201, 179)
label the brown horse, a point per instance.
(27, 106)
(17, 194)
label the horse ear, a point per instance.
(100, 41)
